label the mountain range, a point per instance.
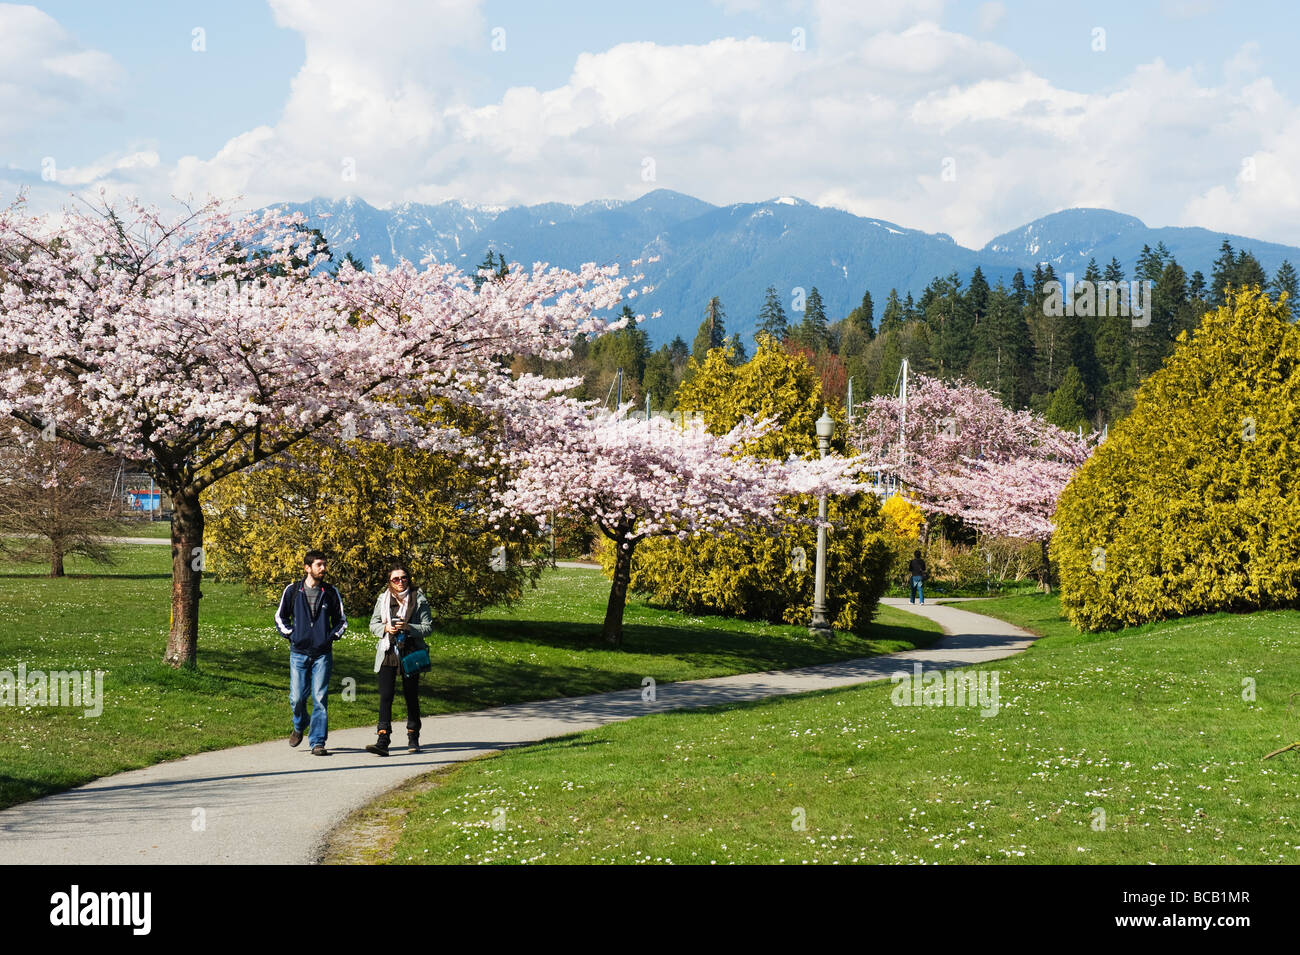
(736, 251)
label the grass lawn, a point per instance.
(1038, 613)
(115, 619)
(159, 529)
(1128, 747)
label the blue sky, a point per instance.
(1187, 116)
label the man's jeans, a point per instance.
(319, 667)
(918, 588)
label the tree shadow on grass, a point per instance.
(705, 646)
(68, 577)
(15, 789)
(220, 674)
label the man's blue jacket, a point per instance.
(313, 636)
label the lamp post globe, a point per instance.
(825, 430)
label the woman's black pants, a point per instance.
(388, 689)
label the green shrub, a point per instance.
(955, 565)
(362, 504)
(771, 577)
(1193, 505)
(767, 575)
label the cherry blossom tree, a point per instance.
(55, 500)
(642, 478)
(961, 452)
(201, 344)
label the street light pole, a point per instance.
(819, 626)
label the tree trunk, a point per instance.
(56, 560)
(1046, 579)
(613, 629)
(187, 563)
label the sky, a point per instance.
(969, 118)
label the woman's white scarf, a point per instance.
(386, 608)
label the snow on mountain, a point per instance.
(737, 251)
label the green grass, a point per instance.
(1147, 725)
(1036, 612)
(938, 589)
(115, 619)
(159, 529)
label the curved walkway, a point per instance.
(267, 803)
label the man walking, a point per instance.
(916, 570)
(311, 618)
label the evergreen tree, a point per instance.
(1002, 349)
(910, 312)
(1113, 352)
(1040, 279)
(1066, 409)
(1019, 290)
(858, 354)
(1171, 313)
(951, 326)
(814, 332)
(355, 262)
(1083, 339)
(891, 319)
(1285, 280)
(738, 355)
(1248, 273)
(977, 296)
(712, 331)
(627, 348)
(1224, 274)
(891, 356)
(918, 347)
(492, 262)
(1149, 265)
(678, 353)
(771, 317)
(1049, 331)
(660, 382)
(863, 317)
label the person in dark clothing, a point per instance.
(916, 569)
(311, 617)
(401, 621)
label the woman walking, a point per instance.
(401, 621)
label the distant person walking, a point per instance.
(401, 621)
(311, 617)
(916, 568)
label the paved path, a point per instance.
(267, 803)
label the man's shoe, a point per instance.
(319, 750)
(295, 737)
(412, 742)
(380, 746)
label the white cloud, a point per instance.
(863, 119)
(989, 16)
(46, 76)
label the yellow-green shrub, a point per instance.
(903, 517)
(363, 504)
(771, 577)
(768, 575)
(1193, 503)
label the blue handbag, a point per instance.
(417, 661)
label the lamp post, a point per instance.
(819, 626)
